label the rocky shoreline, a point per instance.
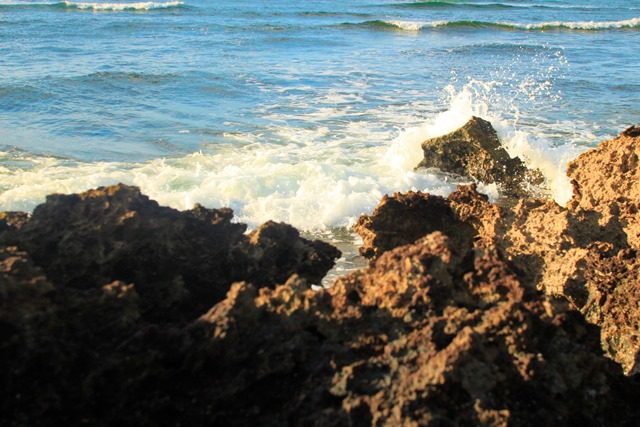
(115, 310)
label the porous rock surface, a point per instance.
(116, 311)
(427, 335)
(586, 252)
(475, 151)
(99, 292)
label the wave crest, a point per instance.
(416, 26)
(122, 6)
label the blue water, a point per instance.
(305, 112)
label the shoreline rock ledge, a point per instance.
(116, 311)
(586, 253)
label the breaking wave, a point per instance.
(122, 6)
(487, 5)
(415, 26)
(95, 6)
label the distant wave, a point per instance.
(445, 4)
(488, 5)
(582, 25)
(122, 6)
(139, 6)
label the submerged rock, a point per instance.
(474, 151)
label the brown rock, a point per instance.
(426, 335)
(12, 220)
(608, 297)
(404, 218)
(54, 340)
(562, 251)
(607, 181)
(475, 151)
(181, 262)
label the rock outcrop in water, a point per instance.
(116, 311)
(474, 151)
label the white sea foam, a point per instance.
(416, 26)
(308, 190)
(308, 177)
(122, 6)
(581, 25)
(538, 152)
(405, 151)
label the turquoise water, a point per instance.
(305, 112)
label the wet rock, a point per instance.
(181, 262)
(475, 151)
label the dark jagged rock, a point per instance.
(98, 295)
(181, 262)
(632, 131)
(276, 250)
(475, 151)
(424, 336)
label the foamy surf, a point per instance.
(141, 6)
(415, 26)
(259, 185)
(309, 185)
(537, 152)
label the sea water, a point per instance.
(306, 112)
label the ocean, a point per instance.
(304, 112)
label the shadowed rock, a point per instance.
(606, 184)
(404, 218)
(424, 336)
(474, 151)
(181, 262)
